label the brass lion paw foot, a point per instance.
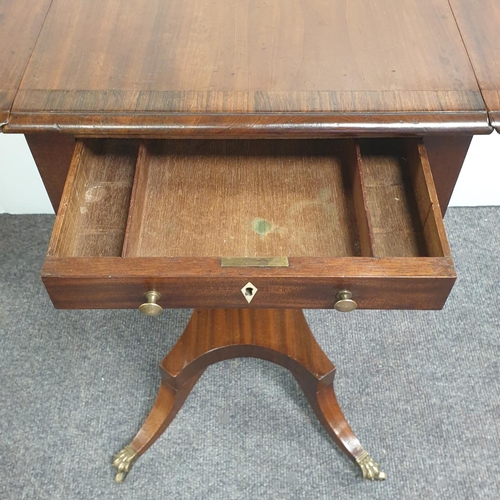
(370, 468)
(123, 462)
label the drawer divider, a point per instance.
(135, 212)
(365, 229)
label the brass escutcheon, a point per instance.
(254, 262)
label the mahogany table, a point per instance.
(249, 160)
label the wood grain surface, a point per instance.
(20, 24)
(479, 24)
(52, 153)
(118, 283)
(279, 336)
(314, 198)
(242, 199)
(391, 206)
(402, 203)
(93, 213)
(446, 155)
(252, 125)
(194, 202)
(124, 61)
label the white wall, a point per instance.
(22, 191)
(21, 188)
(479, 180)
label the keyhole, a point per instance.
(249, 291)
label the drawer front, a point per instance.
(360, 216)
(385, 292)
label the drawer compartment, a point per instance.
(197, 220)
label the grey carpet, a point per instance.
(420, 389)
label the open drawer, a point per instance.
(249, 223)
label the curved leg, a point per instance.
(324, 403)
(168, 402)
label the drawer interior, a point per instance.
(301, 220)
(242, 199)
(397, 201)
(249, 198)
(94, 209)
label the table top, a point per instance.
(20, 24)
(240, 67)
(479, 24)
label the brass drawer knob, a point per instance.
(150, 307)
(344, 302)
